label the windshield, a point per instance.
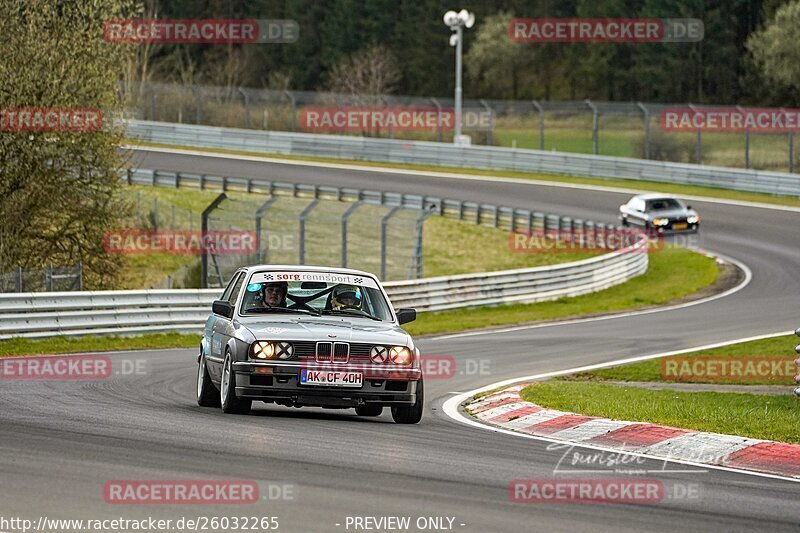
(662, 204)
(314, 293)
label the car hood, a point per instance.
(671, 213)
(310, 328)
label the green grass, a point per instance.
(19, 346)
(651, 370)
(748, 415)
(673, 273)
(632, 185)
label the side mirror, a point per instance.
(406, 315)
(223, 308)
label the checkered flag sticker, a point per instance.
(269, 276)
(358, 280)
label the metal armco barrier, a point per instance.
(483, 157)
(41, 315)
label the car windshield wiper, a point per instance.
(350, 312)
(282, 310)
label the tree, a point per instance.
(59, 190)
(368, 73)
(774, 48)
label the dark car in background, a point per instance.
(659, 213)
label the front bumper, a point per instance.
(278, 382)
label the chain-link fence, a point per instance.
(633, 129)
(66, 278)
(257, 229)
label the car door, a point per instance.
(222, 328)
(637, 215)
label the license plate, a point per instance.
(680, 226)
(331, 378)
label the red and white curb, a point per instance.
(505, 409)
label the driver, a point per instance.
(274, 294)
(346, 297)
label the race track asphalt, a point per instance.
(62, 441)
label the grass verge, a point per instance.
(748, 415)
(645, 186)
(92, 343)
(782, 347)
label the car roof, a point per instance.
(309, 268)
(655, 196)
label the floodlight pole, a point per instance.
(459, 90)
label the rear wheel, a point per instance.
(207, 394)
(369, 410)
(410, 414)
(230, 403)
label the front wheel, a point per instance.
(207, 394)
(410, 414)
(227, 391)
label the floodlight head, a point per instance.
(450, 18)
(470, 20)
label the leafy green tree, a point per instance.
(59, 190)
(775, 48)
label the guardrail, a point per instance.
(41, 315)
(483, 157)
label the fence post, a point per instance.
(198, 95)
(490, 127)
(302, 219)
(540, 109)
(204, 230)
(246, 99)
(646, 113)
(19, 279)
(417, 259)
(791, 152)
(746, 140)
(80, 275)
(293, 103)
(345, 217)
(438, 117)
(49, 277)
(259, 216)
(698, 152)
(384, 223)
(595, 126)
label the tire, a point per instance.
(207, 393)
(625, 222)
(369, 410)
(410, 414)
(227, 391)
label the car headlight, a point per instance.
(262, 350)
(379, 354)
(660, 221)
(284, 350)
(400, 355)
(693, 219)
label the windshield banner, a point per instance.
(325, 277)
